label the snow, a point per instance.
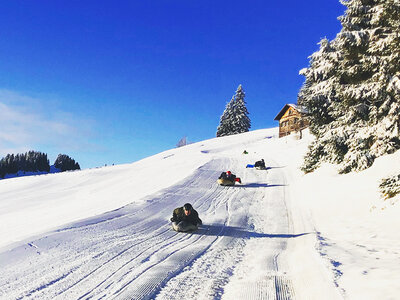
(105, 232)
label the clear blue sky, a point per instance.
(115, 81)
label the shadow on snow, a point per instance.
(256, 185)
(231, 231)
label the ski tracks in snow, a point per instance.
(132, 253)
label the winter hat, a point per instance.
(187, 206)
(229, 172)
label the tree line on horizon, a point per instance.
(34, 161)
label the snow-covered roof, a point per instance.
(286, 107)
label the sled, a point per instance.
(250, 166)
(261, 168)
(225, 182)
(184, 228)
(186, 231)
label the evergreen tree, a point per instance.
(235, 118)
(12, 166)
(3, 170)
(66, 163)
(225, 124)
(352, 88)
(29, 162)
(241, 121)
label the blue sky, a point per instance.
(115, 81)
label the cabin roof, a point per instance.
(286, 107)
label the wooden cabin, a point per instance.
(291, 119)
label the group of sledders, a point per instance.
(186, 218)
(227, 178)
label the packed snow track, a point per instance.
(132, 252)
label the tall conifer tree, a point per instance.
(241, 121)
(225, 123)
(352, 88)
(235, 118)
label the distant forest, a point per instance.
(34, 161)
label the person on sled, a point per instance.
(230, 177)
(185, 218)
(260, 164)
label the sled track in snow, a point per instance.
(272, 287)
(132, 253)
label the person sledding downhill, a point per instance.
(260, 165)
(227, 178)
(185, 218)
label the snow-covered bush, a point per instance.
(390, 186)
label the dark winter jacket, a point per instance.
(225, 176)
(260, 164)
(179, 215)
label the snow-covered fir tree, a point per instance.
(352, 88)
(241, 121)
(235, 118)
(225, 123)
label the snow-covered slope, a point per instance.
(105, 233)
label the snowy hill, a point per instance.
(105, 233)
